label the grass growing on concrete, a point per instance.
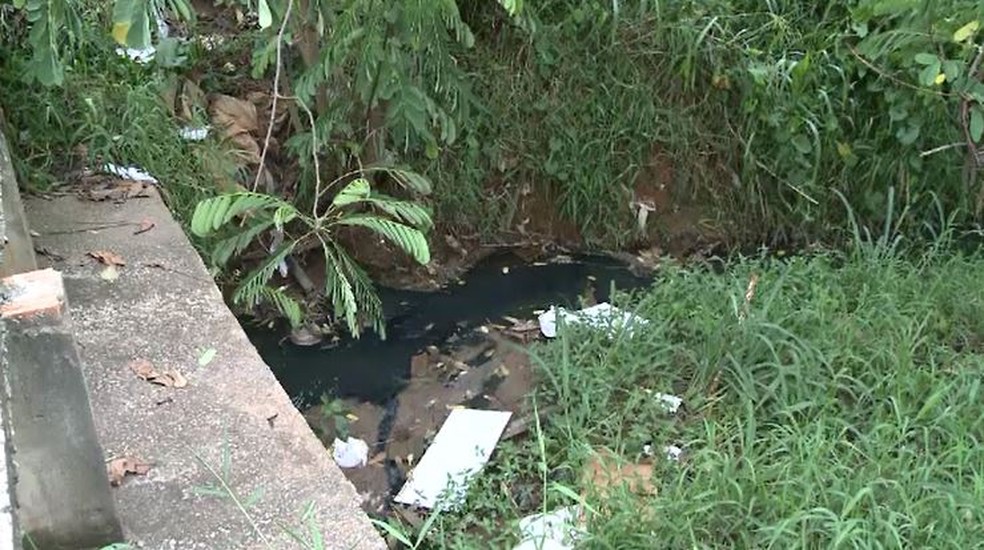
(845, 410)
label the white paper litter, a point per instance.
(191, 133)
(670, 403)
(129, 173)
(603, 315)
(140, 55)
(459, 451)
(351, 453)
(673, 452)
(555, 530)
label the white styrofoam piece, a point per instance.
(673, 452)
(603, 315)
(351, 453)
(192, 133)
(129, 173)
(140, 55)
(556, 530)
(670, 403)
(459, 451)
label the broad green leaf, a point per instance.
(976, 123)
(966, 31)
(357, 190)
(927, 77)
(926, 58)
(403, 211)
(802, 144)
(512, 6)
(211, 214)
(410, 180)
(410, 240)
(266, 18)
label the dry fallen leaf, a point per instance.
(144, 369)
(170, 379)
(234, 116)
(119, 468)
(107, 257)
(604, 471)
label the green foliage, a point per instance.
(843, 410)
(234, 221)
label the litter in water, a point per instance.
(351, 453)
(460, 449)
(555, 530)
(603, 315)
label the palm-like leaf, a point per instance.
(251, 289)
(404, 211)
(411, 240)
(211, 214)
(356, 191)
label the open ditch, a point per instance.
(461, 346)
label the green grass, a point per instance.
(846, 411)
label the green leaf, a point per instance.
(512, 6)
(410, 240)
(966, 31)
(927, 77)
(976, 123)
(926, 58)
(357, 190)
(403, 211)
(802, 144)
(206, 357)
(211, 214)
(251, 289)
(408, 179)
(266, 18)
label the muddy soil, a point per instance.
(485, 368)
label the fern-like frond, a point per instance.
(285, 304)
(411, 240)
(211, 214)
(339, 290)
(250, 290)
(356, 191)
(410, 180)
(403, 211)
(369, 306)
(223, 251)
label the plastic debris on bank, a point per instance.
(556, 530)
(351, 453)
(460, 450)
(129, 173)
(600, 316)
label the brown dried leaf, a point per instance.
(604, 471)
(170, 379)
(234, 116)
(143, 369)
(120, 467)
(106, 257)
(247, 147)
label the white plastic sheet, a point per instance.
(129, 173)
(459, 451)
(600, 316)
(556, 530)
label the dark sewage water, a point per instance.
(373, 369)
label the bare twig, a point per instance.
(941, 148)
(276, 93)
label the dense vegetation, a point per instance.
(838, 407)
(758, 115)
(837, 404)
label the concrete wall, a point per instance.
(54, 492)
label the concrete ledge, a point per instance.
(63, 498)
(233, 415)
